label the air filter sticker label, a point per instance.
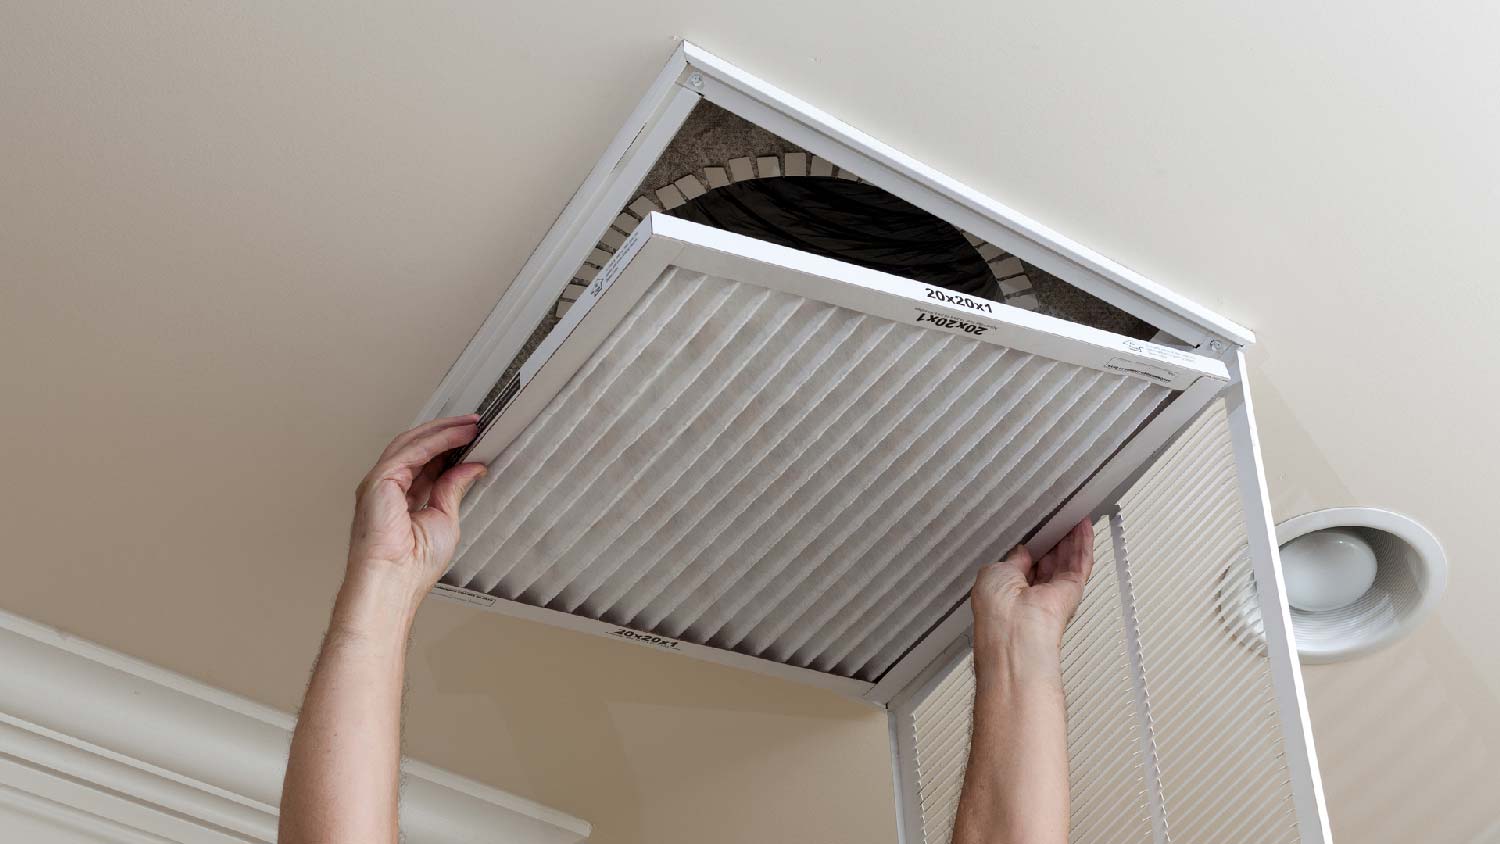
(617, 264)
(463, 596)
(1161, 353)
(951, 298)
(972, 328)
(1141, 369)
(646, 639)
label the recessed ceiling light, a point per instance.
(1357, 579)
(1327, 569)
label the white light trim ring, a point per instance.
(1412, 577)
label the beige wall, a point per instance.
(240, 244)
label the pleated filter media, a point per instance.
(1187, 746)
(755, 470)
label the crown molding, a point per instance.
(108, 746)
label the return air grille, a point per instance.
(1216, 768)
(742, 453)
(1219, 740)
(753, 469)
(941, 726)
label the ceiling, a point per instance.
(240, 245)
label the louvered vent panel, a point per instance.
(1106, 781)
(753, 470)
(1223, 774)
(942, 723)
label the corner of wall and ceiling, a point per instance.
(102, 747)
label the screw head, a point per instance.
(1217, 345)
(695, 79)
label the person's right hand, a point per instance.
(406, 508)
(1018, 600)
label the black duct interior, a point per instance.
(850, 221)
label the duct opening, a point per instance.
(849, 221)
(787, 195)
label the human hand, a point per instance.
(406, 508)
(1018, 601)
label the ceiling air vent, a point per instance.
(779, 424)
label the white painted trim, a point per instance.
(1265, 560)
(818, 132)
(166, 758)
(97, 814)
(903, 769)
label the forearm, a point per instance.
(343, 773)
(1015, 789)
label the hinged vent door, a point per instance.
(1175, 722)
(741, 446)
(1108, 771)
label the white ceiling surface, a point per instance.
(240, 245)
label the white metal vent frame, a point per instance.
(692, 74)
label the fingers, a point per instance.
(1072, 558)
(1086, 549)
(449, 490)
(1056, 560)
(402, 439)
(1019, 559)
(1075, 560)
(421, 486)
(403, 464)
(1047, 568)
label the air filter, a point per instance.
(737, 445)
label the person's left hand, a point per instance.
(406, 508)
